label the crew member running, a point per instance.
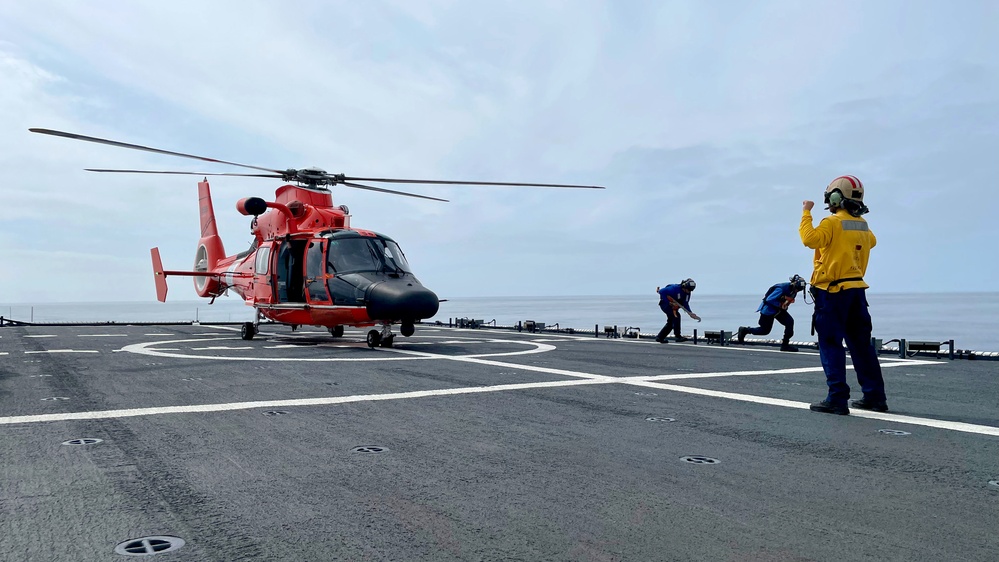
(774, 307)
(671, 299)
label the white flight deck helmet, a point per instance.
(846, 192)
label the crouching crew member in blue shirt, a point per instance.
(774, 307)
(842, 244)
(671, 299)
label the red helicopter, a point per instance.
(306, 265)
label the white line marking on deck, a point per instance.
(564, 339)
(283, 403)
(41, 336)
(928, 422)
(590, 379)
(580, 378)
(102, 335)
(62, 351)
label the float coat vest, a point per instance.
(842, 245)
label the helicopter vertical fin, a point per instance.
(158, 275)
(210, 250)
(208, 227)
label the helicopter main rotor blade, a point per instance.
(455, 182)
(145, 148)
(184, 173)
(368, 187)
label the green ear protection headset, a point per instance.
(834, 198)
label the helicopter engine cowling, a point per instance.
(402, 299)
(251, 206)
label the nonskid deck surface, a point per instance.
(480, 444)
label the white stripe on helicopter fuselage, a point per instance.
(232, 269)
(305, 306)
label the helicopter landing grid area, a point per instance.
(216, 346)
(480, 444)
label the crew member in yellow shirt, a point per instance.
(842, 243)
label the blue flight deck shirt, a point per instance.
(771, 303)
(678, 294)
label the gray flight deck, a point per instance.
(479, 445)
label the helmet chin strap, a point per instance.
(855, 208)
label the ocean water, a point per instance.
(970, 319)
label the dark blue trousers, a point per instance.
(767, 324)
(672, 321)
(840, 316)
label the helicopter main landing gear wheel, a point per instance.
(336, 331)
(374, 338)
(247, 331)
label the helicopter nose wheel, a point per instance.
(336, 331)
(247, 331)
(383, 338)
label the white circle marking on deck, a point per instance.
(147, 349)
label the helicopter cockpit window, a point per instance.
(348, 255)
(394, 256)
(351, 255)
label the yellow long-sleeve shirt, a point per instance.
(842, 245)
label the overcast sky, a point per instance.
(709, 123)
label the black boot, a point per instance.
(786, 345)
(661, 336)
(742, 333)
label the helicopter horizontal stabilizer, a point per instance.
(161, 275)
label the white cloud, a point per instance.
(708, 123)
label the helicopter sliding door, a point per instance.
(289, 271)
(315, 272)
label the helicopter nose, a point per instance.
(401, 299)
